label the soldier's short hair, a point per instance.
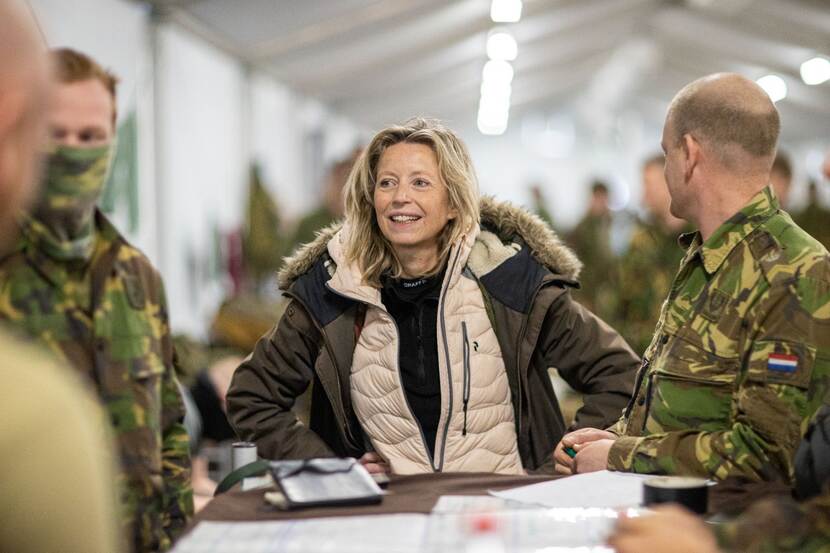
(746, 119)
(782, 165)
(71, 66)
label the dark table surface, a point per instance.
(418, 494)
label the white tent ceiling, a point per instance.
(380, 61)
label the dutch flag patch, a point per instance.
(782, 363)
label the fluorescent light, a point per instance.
(495, 89)
(492, 117)
(502, 46)
(506, 11)
(774, 86)
(493, 105)
(497, 71)
(813, 72)
(492, 123)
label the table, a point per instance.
(418, 494)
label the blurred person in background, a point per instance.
(648, 266)
(591, 239)
(781, 179)
(740, 357)
(56, 457)
(427, 323)
(206, 420)
(73, 283)
(815, 218)
(331, 209)
(540, 204)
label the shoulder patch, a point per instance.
(781, 362)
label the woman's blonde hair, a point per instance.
(366, 244)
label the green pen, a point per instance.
(571, 452)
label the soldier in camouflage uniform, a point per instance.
(591, 238)
(76, 285)
(815, 218)
(740, 357)
(647, 268)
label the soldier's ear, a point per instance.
(692, 154)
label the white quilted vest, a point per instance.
(469, 359)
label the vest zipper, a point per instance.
(467, 375)
(441, 306)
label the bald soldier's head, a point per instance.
(24, 78)
(720, 133)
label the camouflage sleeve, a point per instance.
(175, 448)
(779, 526)
(787, 352)
(617, 427)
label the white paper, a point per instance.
(522, 531)
(603, 489)
(448, 504)
(360, 534)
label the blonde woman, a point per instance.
(427, 322)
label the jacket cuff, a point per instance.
(621, 454)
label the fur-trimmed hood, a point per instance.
(502, 218)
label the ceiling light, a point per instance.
(492, 123)
(502, 46)
(495, 89)
(774, 86)
(494, 105)
(813, 72)
(497, 71)
(506, 11)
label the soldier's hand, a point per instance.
(374, 463)
(563, 463)
(671, 528)
(592, 456)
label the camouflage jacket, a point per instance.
(779, 524)
(740, 356)
(591, 239)
(645, 275)
(105, 313)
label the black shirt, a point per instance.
(413, 303)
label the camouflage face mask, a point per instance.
(61, 223)
(73, 183)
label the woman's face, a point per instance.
(412, 205)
